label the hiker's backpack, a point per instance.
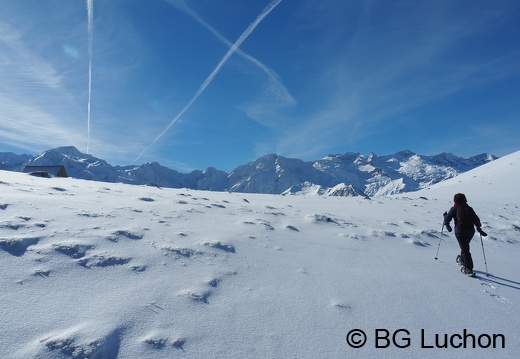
(465, 216)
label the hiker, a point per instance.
(465, 220)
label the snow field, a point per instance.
(98, 270)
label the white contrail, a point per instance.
(273, 77)
(90, 14)
(210, 78)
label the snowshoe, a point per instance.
(467, 271)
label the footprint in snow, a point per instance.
(179, 252)
(42, 273)
(18, 246)
(156, 343)
(383, 233)
(321, 218)
(391, 224)
(342, 306)
(11, 226)
(223, 247)
(430, 233)
(138, 269)
(420, 244)
(91, 215)
(179, 343)
(72, 250)
(276, 213)
(159, 343)
(102, 261)
(214, 282)
(196, 297)
(69, 343)
(267, 226)
(492, 289)
(122, 234)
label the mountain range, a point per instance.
(349, 174)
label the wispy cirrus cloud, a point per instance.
(45, 83)
(380, 79)
(30, 127)
(29, 82)
(22, 64)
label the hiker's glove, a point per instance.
(482, 233)
(448, 227)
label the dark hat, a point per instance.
(460, 198)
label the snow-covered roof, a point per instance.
(56, 171)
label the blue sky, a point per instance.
(169, 82)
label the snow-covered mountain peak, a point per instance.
(69, 152)
(370, 175)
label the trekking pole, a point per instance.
(439, 246)
(484, 253)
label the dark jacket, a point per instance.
(452, 214)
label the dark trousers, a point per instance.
(464, 238)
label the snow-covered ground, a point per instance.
(98, 270)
